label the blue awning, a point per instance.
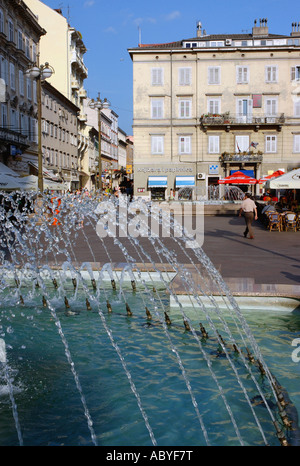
(184, 181)
(157, 181)
(246, 172)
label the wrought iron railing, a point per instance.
(228, 119)
(241, 157)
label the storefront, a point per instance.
(184, 187)
(157, 186)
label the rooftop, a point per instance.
(259, 36)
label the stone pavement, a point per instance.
(268, 264)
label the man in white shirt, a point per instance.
(249, 210)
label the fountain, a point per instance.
(93, 329)
(213, 194)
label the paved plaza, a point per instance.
(269, 263)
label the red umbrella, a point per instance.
(238, 178)
(269, 177)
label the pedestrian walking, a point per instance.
(249, 210)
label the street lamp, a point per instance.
(99, 105)
(40, 73)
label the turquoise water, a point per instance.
(49, 404)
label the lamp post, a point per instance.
(40, 73)
(99, 105)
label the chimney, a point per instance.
(295, 30)
(199, 29)
(261, 30)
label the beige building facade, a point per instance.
(20, 33)
(214, 104)
(59, 137)
(63, 48)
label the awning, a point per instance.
(157, 181)
(184, 181)
(237, 178)
(46, 173)
(9, 183)
(290, 180)
(4, 170)
(30, 183)
(270, 177)
(246, 172)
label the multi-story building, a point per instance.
(63, 48)
(20, 33)
(92, 162)
(210, 105)
(59, 136)
(122, 149)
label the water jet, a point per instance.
(169, 358)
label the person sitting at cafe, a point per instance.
(270, 207)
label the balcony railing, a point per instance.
(228, 119)
(13, 137)
(241, 157)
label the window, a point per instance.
(242, 74)
(29, 91)
(34, 84)
(10, 32)
(185, 108)
(33, 52)
(185, 76)
(270, 107)
(296, 143)
(13, 119)
(184, 146)
(271, 143)
(20, 39)
(4, 69)
(214, 106)
(27, 47)
(244, 110)
(1, 21)
(157, 76)
(213, 144)
(21, 82)
(271, 74)
(4, 115)
(12, 76)
(24, 124)
(295, 73)
(157, 144)
(214, 75)
(241, 143)
(157, 108)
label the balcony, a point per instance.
(74, 84)
(82, 117)
(227, 121)
(83, 93)
(241, 157)
(13, 137)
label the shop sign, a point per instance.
(165, 169)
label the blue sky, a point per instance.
(110, 27)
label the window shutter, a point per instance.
(293, 73)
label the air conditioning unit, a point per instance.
(200, 176)
(228, 41)
(259, 120)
